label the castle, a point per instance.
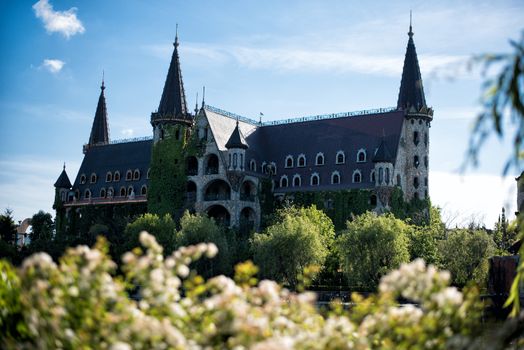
(215, 162)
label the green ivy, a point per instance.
(417, 210)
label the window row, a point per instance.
(340, 158)
(110, 192)
(114, 177)
(314, 179)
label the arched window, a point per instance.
(415, 195)
(103, 193)
(77, 194)
(335, 178)
(129, 175)
(283, 181)
(148, 173)
(272, 168)
(177, 134)
(373, 200)
(116, 178)
(93, 178)
(415, 182)
(162, 134)
(387, 176)
(319, 160)
(398, 179)
(314, 180)
(297, 181)
(357, 176)
(130, 190)
(301, 161)
(253, 165)
(426, 181)
(143, 190)
(372, 176)
(109, 177)
(122, 191)
(416, 138)
(380, 175)
(426, 161)
(82, 179)
(136, 174)
(289, 161)
(87, 194)
(110, 192)
(211, 164)
(264, 168)
(341, 157)
(416, 161)
(235, 161)
(426, 139)
(361, 155)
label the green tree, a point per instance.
(196, 228)
(465, 254)
(163, 228)
(42, 227)
(371, 246)
(300, 238)
(7, 227)
(423, 245)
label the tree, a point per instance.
(7, 227)
(423, 245)
(371, 246)
(42, 227)
(163, 228)
(465, 254)
(195, 229)
(301, 237)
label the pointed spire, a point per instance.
(196, 104)
(203, 96)
(63, 180)
(173, 101)
(236, 140)
(411, 92)
(383, 155)
(100, 130)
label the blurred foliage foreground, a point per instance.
(80, 303)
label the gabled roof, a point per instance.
(63, 180)
(411, 92)
(236, 140)
(383, 154)
(100, 130)
(173, 101)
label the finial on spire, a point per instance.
(410, 33)
(196, 104)
(176, 36)
(64, 165)
(103, 85)
(203, 96)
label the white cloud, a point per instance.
(472, 196)
(63, 22)
(53, 65)
(128, 132)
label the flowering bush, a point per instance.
(80, 303)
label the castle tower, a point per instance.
(171, 132)
(62, 187)
(384, 170)
(100, 130)
(236, 149)
(413, 157)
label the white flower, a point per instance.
(212, 250)
(182, 271)
(120, 346)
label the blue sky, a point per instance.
(282, 58)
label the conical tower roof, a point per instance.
(383, 154)
(100, 130)
(173, 102)
(63, 180)
(411, 92)
(236, 140)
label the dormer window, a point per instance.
(148, 173)
(136, 174)
(361, 155)
(103, 193)
(82, 179)
(93, 178)
(289, 161)
(301, 161)
(122, 191)
(372, 176)
(109, 177)
(284, 181)
(264, 168)
(130, 190)
(341, 157)
(272, 168)
(143, 190)
(357, 176)
(129, 175)
(116, 177)
(319, 160)
(87, 194)
(315, 180)
(335, 178)
(253, 165)
(297, 181)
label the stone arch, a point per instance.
(191, 192)
(248, 191)
(220, 214)
(211, 164)
(191, 166)
(247, 219)
(217, 190)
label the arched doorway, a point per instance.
(191, 166)
(248, 191)
(217, 190)
(191, 192)
(247, 220)
(220, 214)
(212, 164)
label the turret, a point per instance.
(100, 130)
(236, 149)
(62, 188)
